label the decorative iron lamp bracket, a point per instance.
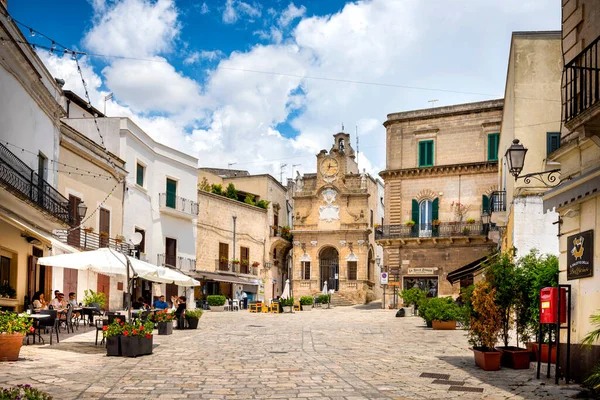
(547, 178)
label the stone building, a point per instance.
(577, 200)
(231, 230)
(441, 167)
(335, 211)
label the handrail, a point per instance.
(169, 200)
(87, 240)
(582, 82)
(444, 229)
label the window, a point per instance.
(305, 269)
(5, 271)
(493, 140)
(42, 166)
(223, 256)
(352, 270)
(170, 252)
(171, 193)
(139, 174)
(371, 220)
(244, 259)
(552, 142)
(485, 204)
(142, 245)
(426, 153)
(104, 223)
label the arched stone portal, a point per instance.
(329, 265)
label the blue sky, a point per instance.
(227, 81)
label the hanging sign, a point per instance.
(384, 278)
(580, 255)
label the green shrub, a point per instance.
(216, 189)
(194, 314)
(412, 296)
(442, 309)
(263, 204)
(306, 300)
(289, 302)
(231, 192)
(323, 298)
(94, 297)
(249, 199)
(216, 300)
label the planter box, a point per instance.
(217, 308)
(193, 323)
(306, 308)
(287, 309)
(146, 345)
(443, 325)
(515, 357)
(113, 346)
(165, 328)
(10, 346)
(534, 349)
(487, 360)
(133, 346)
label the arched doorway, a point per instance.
(329, 265)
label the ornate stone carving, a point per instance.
(329, 212)
(426, 194)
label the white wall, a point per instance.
(532, 228)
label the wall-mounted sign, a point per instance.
(384, 278)
(580, 255)
(421, 271)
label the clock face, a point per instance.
(329, 167)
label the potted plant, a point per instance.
(235, 261)
(306, 303)
(470, 220)
(192, 317)
(323, 299)
(23, 392)
(88, 229)
(94, 298)
(12, 330)
(411, 299)
(410, 223)
(244, 263)
(593, 380)
(119, 239)
(485, 326)
(164, 322)
(136, 339)
(443, 313)
(216, 302)
(103, 235)
(423, 306)
(112, 334)
(255, 264)
(7, 291)
(224, 259)
(287, 304)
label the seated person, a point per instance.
(72, 301)
(161, 304)
(58, 302)
(180, 311)
(139, 304)
(39, 302)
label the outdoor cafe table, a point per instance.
(35, 317)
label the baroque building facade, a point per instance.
(335, 210)
(441, 168)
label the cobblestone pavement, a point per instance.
(343, 353)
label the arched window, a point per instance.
(341, 145)
(424, 212)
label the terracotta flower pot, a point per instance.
(515, 357)
(10, 346)
(443, 325)
(487, 360)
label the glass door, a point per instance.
(425, 215)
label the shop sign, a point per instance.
(421, 271)
(580, 255)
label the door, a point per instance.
(223, 256)
(171, 193)
(74, 236)
(244, 260)
(329, 266)
(425, 218)
(104, 287)
(171, 252)
(104, 227)
(69, 281)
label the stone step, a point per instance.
(339, 300)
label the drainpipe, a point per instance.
(234, 220)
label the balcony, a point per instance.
(282, 232)
(181, 263)
(236, 268)
(449, 230)
(582, 85)
(498, 208)
(177, 206)
(23, 182)
(86, 241)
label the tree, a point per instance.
(231, 192)
(204, 185)
(501, 275)
(486, 320)
(216, 189)
(249, 199)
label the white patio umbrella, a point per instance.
(168, 275)
(286, 290)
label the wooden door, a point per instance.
(171, 252)
(223, 255)
(104, 287)
(245, 259)
(104, 227)
(74, 236)
(69, 281)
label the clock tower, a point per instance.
(335, 209)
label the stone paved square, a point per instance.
(345, 353)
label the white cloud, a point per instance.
(291, 13)
(274, 35)
(234, 9)
(204, 9)
(203, 55)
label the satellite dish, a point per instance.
(135, 238)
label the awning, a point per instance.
(573, 191)
(215, 276)
(468, 269)
(40, 234)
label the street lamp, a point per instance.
(515, 159)
(81, 210)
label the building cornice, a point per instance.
(442, 170)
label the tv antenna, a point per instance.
(432, 102)
(230, 164)
(281, 167)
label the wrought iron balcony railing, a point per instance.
(582, 82)
(444, 229)
(17, 178)
(85, 240)
(498, 201)
(238, 268)
(181, 263)
(168, 200)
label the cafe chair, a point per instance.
(67, 319)
(110, 318)
(49, 323)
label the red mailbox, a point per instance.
(549, 305)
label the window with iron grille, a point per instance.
(305, 269)
(352, 270)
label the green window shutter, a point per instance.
(171, 193)
(426, 153)
(493, 141)
(422, 154)
(552, 142)
(415, 211)
(485, 203)
(139, 175)
(435, 209)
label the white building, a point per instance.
(160, 199)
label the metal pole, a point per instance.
(384, 296)
(234, 220)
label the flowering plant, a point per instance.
(245, 263)
(138, 328)
(163, 316)
(114, 329)
(436, 222)
(11, 322)
(460, 210)
(23, 392)
(224, 259)
(255, 264)
(470, 220)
